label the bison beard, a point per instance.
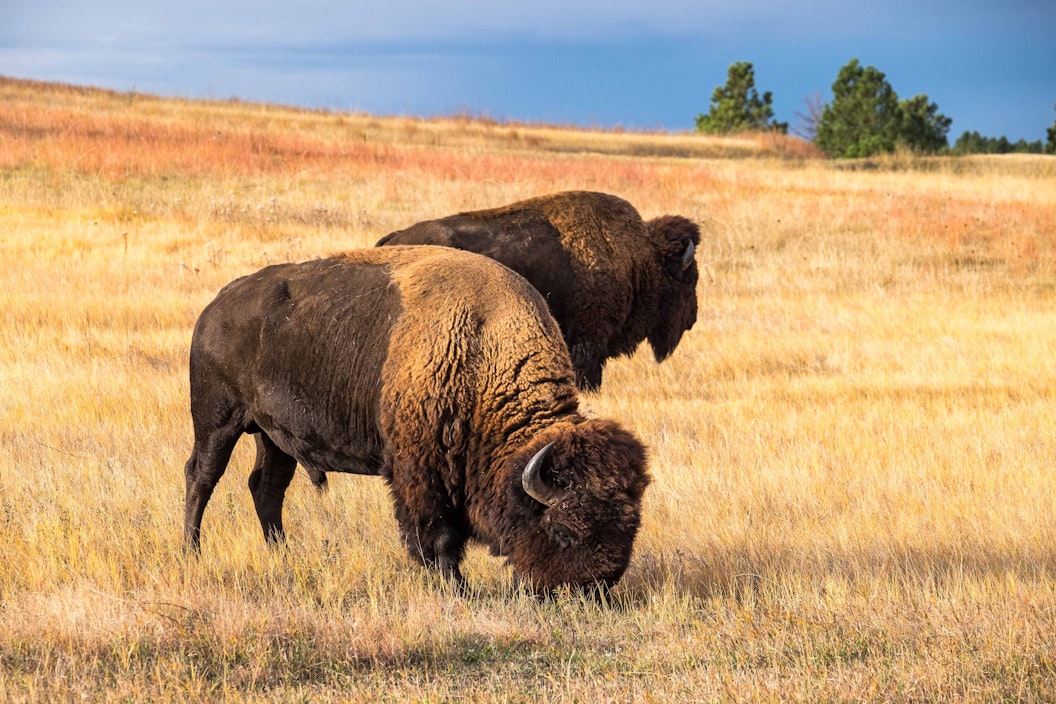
(437, 369)
(610, 279)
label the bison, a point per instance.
(443, 372)
(610, 279)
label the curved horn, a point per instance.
(532, 479)
(687, 257)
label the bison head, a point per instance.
(577, 504)
(675, 239)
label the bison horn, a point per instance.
(687, 257)
(532, 478)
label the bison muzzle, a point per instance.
(438, 369)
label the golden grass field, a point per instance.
(853, 449)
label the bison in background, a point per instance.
(610, 279)
(443, 372)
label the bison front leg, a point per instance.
(587, 362)
(268, 482)
(431, 529)
(438, 546)
(450, 546)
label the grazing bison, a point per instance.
(610, 279)
(443, 372)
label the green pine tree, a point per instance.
(923, 128)
(864, 117)
(737, 106)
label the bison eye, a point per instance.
(562, 536)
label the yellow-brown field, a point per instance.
(853, 449)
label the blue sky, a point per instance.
(990, 66)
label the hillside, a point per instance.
(103, 113)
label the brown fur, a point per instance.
(610, 279)
(441, 371)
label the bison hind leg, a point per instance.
(271, 476)
(209, 458)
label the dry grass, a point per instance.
(852, 449)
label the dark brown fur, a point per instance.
(610, 279)
(441, 371)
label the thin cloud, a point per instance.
(619, 62)
(284, 23)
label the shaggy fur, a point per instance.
(438, 369)
(610, 279)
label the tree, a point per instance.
(1025, 147)
(864, 117)
(1050, 144)
(737, 107)
(975, 143)
(923, 128)
(970, 143)
(807, 122)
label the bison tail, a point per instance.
(318, 478)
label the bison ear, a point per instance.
(677, 238)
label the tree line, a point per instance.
(865, 118)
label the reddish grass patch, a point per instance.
(116, 146)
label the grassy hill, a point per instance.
(852, 450)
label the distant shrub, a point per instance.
(975, 143)
(866, 118)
